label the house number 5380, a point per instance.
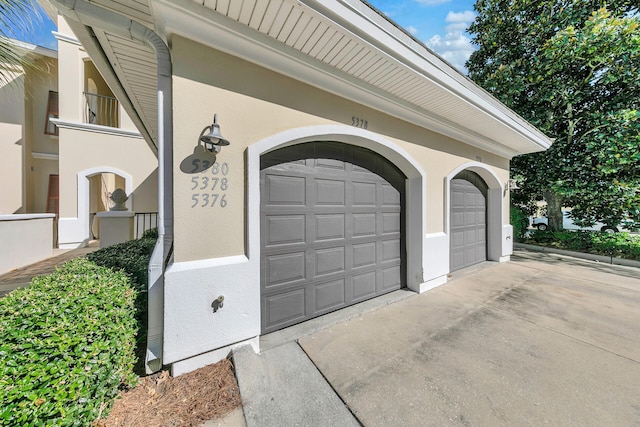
(209, 187)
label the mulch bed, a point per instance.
(187, 400)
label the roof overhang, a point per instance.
(340, 46)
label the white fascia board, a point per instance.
(360, 20)
(218, 32)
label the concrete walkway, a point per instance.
(21, 277)
(545, 339)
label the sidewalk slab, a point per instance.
(281, 387)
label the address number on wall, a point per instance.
(359, 122)
(209, 187)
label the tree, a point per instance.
(571, 68)
(15, 19)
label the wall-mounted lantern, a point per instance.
(213, 140)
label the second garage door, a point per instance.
(331, 230)
(468, 221)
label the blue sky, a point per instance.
(440, 24)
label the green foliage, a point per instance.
(132, 257)
(621, 245)
(66, 345)
(571, 68)
(519, 221)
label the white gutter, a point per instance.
(91, 15)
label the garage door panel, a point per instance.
(286, 268)
(285, 308)
(364, 225)
(329, 227)
(391, 278)
(334, 242)
(285, 190)
(285, 229)
(390, 196)
(391, 250)
(364, 255)
(330, 164)
(329, 261)
(364, 286)
(329, 296)
(330, 192)
(390, 222)
(364, 194)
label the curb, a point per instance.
(583, 255)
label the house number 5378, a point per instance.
(359, 123)
(209, 187)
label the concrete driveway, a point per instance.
(541, 340)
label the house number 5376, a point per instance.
(209, 187)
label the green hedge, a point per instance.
(67, 345)
(621, 245)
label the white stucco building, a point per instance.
(359, 161)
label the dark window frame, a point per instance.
(52, 113)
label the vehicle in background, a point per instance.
(541, 223)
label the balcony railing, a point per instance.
(101, 110)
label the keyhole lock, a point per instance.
(217, 303)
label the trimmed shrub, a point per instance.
(621, 245)
(519, 221)
(67, 345)
(132, 257)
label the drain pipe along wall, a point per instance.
(94, 16)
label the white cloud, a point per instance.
(458, 26)
(412, 30)
(466, 16)
(455, 47)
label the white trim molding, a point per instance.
(45, 156)
(95, 128)
(65, 38)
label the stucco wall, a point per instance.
(11, 145)
(83, 153)
(25, 239)
(253, 103)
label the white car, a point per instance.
(541, 223)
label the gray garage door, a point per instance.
(468, 232)
(331, 230)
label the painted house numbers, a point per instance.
(209, 187)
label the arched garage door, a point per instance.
(468, 222)
(331, 230)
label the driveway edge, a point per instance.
(583, 255)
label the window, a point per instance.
(52, 113)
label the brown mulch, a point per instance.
(187, 400)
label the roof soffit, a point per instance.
(375, 66)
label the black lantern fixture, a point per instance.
(213, 140)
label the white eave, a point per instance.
(340, 46)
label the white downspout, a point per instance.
(91, 15)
